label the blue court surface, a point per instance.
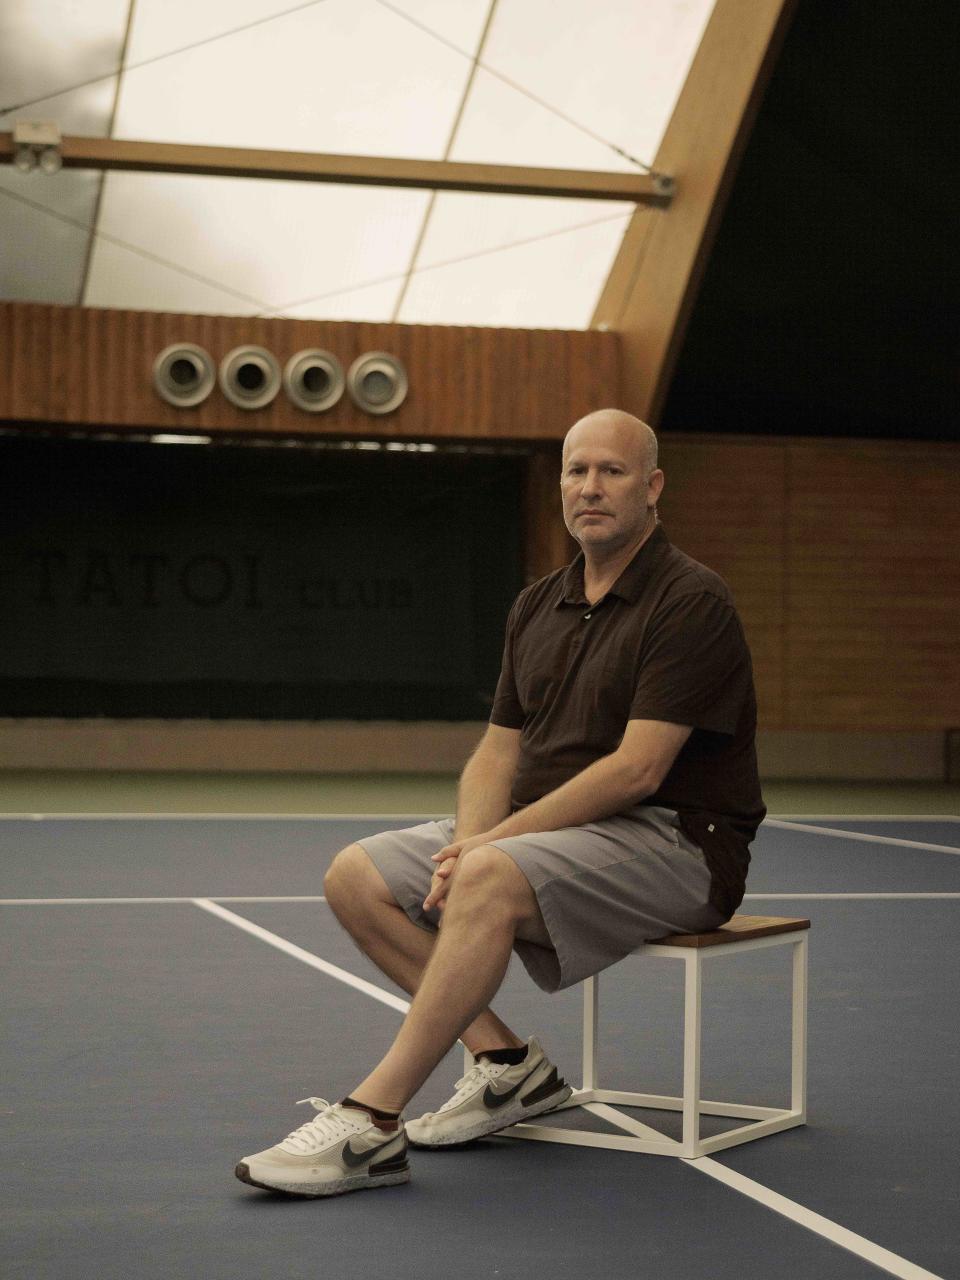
(174, 984)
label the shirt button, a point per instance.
(587, 615)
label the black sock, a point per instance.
(375, 1112)
(509, 1057)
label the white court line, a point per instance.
(816, 1222)
(314, 816)
(827, 896)
(830, 1230)
(865, 817)
(237, 817)
(298, 953)
(859, 835)
(836, 1234)
(130, 902)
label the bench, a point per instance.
(741, 933)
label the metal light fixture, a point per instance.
(37, 143)
(314, 380)
(377, 382)
(249, 377)
(50, 160)
(184, 375)
(24, 158)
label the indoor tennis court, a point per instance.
(175, 983)
(533, 422)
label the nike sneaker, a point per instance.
(340, 1149)
(490, 1097)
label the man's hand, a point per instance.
(440, 885)
(447, 858)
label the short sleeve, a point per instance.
(695, 666)
(507, 710)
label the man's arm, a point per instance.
(483, 796)
(609, 785)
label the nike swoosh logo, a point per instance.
(354, 1159)
(493, 1100)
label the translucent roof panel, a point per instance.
(347, 76)
(615, 67)
(375, 302)
(273, 245)
(578, 84)
(122, 277)
(501, 125)
(550, 282)
(47, 46)
(56, 273)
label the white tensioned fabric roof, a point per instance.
(574, 84)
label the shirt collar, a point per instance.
(631, 582)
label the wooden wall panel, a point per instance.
(546, 541)
(842, 558)
(723, 504)
(81, 365)
(841, 554)
(874, 600)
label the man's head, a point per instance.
(609, 480)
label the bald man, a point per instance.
(612, 800)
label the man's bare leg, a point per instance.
(490, 902)
(360, 899)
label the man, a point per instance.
(612, 800)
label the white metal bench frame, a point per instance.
(650, 1141)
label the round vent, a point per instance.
(377, 382)
(249, 377)
(314, 380)
(184, 375)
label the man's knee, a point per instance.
(352, 878)
(488, 871)
(493, 876)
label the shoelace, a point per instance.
(481, 1072)
(329, 1124)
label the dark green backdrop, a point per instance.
(276, 582)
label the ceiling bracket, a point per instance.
(37, 146)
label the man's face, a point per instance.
(607, 492)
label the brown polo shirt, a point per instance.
(664, 643)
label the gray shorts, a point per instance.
(602, 889)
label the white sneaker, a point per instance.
(490, 1097)
(339, 1150)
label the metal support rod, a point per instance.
(798, 1076)
(591, 1014)
(374, 171)
(692, 991)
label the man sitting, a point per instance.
(612, 800)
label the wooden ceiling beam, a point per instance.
(653, 282)
(372, 171)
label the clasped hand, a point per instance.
(447, 859)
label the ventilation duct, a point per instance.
(377, 382)
(249, 377)
(184, 375)
(314, 380)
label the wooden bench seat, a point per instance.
(737, 929)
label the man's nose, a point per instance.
(591, 483)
